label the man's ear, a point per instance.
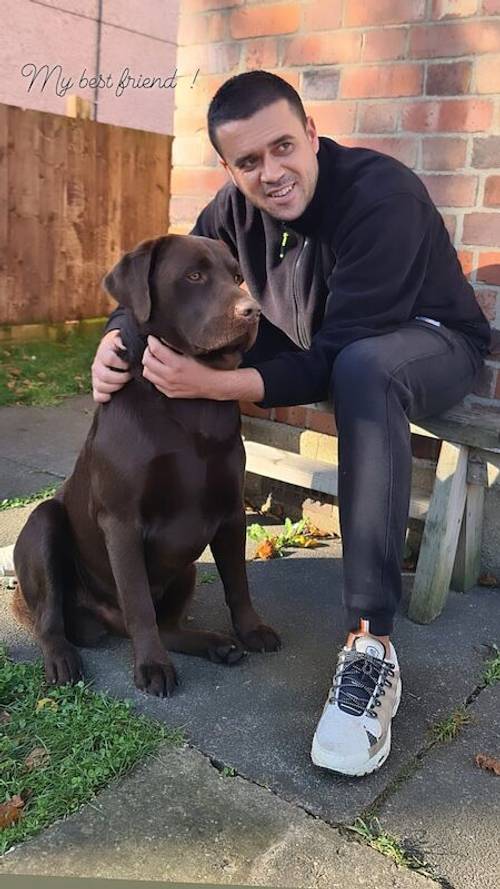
(128, 280)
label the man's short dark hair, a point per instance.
(244, 94)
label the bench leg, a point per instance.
(467, 563)
(440, 537)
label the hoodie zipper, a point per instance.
(302, 334)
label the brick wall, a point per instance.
(417, 79)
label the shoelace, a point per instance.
(359, 681)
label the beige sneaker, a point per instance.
(353, 735)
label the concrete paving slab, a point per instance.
(451, 808)
(39, 445)
(177, 818)
(260, 715)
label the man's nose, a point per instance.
(272, 170)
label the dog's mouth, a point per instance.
(233, 349)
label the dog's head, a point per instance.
(185, 290)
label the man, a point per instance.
(363, 301)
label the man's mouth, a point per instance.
(282, 192)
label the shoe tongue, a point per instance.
(369, 645)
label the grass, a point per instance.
(60, 745)
(399, 852)
(448, 728)
(43, 494)
(491, 672)
(42, 373)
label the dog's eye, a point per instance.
(194, 276)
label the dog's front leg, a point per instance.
(228, 548)
(153, 669)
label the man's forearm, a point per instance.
(244, 384)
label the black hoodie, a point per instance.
(369, 252)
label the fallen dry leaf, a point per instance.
(5, 717)
(313, 531)
(11, 811)
(46, 702)
(490, 763)
(266, 550)
(488, 580)
(37, 759)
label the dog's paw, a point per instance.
(155, 678)
(63, 665)
(225, 650)
(261, 638)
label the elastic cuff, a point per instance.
(381, 622)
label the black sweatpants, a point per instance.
(377, 385)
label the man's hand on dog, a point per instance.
(109, 371)
(178, 376)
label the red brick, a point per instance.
(261, 53)
(204, 5)
(381, 80)
(486, 152)
(291, 77)
(293, 416)
(334, 47)
(482, 229)
(487, 75)
(404, 150)
(487, 299)
(466, 258)
(189, 94)
(448, 79)
(201, 28)
(321, 421)
(382, 12)
(216, 58)
(450, 9)
(452, 116)
(188, 120)
(320, 83)
(491, 7)
(194, 182)
(492, 192)
(451, 190)
(319, 16)
(384, 43)
(251, 410)
(456, 39)
(264, 19)
(488, 270)
(443, 153)
(450, 221)
(187, 150)
(377, 117)
(186, 208)
(333, 117)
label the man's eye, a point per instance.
(239, 279)
(194, 276)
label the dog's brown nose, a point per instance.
(247, 309)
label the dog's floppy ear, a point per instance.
(128, 280)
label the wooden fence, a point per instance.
(74, 195)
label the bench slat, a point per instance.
(305, 472)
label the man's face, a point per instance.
(269, 152)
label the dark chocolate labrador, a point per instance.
(157, 480)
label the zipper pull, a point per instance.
(284, 240)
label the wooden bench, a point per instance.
(452, 514)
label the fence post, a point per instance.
(78, 107)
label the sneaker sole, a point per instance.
(325, 760)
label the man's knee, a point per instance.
(361, 365)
